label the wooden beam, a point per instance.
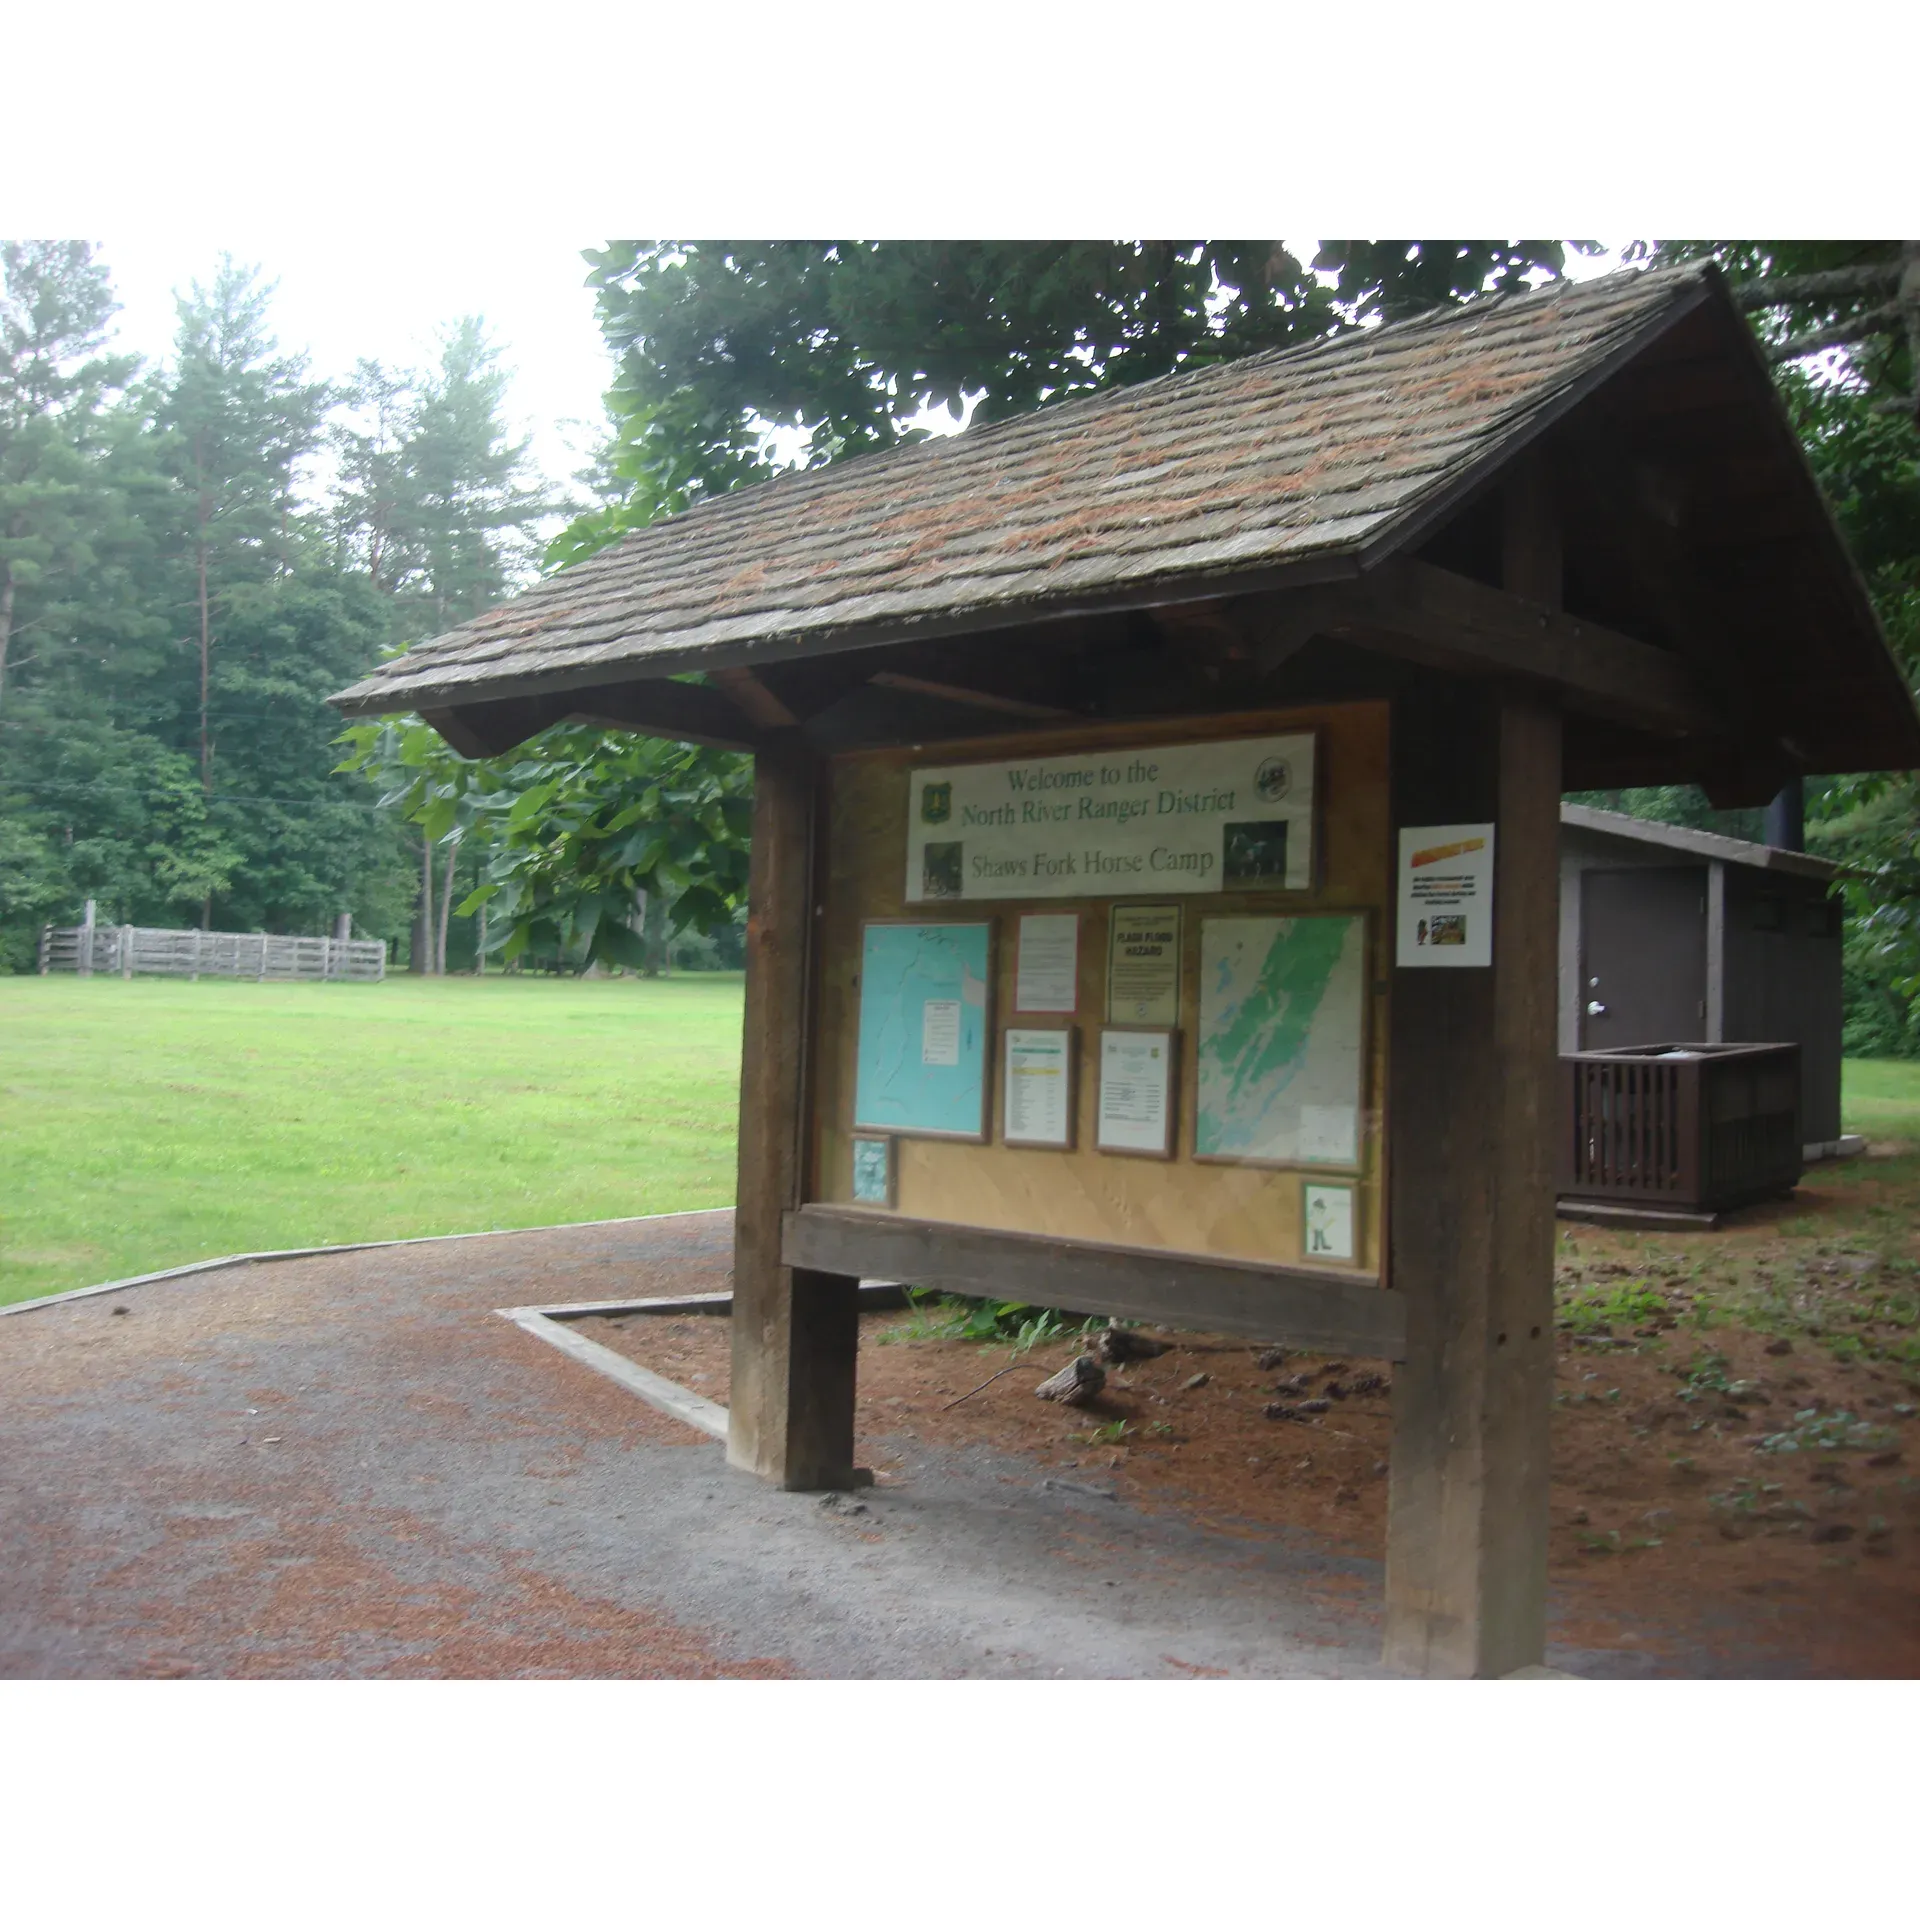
(753, 697)
(1472, 1100)
(795, 1331)
(973, 697)
(666, 710)
(1191, 1291)
(488, 727)
(1430, 614)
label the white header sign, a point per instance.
(1446, 897)
(1223, 816)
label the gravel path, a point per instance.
(349, 1465)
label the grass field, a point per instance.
(1881, 1098)
(149, 1123)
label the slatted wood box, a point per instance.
(1691, 1130)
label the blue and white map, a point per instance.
(922, 1065)
(1280, 1045)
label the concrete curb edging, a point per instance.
(668, 1396)
(656, 1390)
(352, 1246)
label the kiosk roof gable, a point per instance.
(1279, 468)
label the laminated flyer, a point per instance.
(1445, 889)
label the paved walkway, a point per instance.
(349, 1465)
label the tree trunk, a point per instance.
(6, 626)
(480, 942)
(446, 907)
(420, 957)
(202, 515)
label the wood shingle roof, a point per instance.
(1282, 467)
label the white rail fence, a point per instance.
(187, 953)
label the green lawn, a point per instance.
(148, 1123)
(1881, 1097)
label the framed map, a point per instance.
(924, 1019)
(1281, 1040)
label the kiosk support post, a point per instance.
(1471, 1095)
(1471, 1100)
(795, 1332)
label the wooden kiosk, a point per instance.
(1155, 866)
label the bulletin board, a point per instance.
(1206, 902)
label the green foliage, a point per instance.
(236, 419)
(174, 613)
(1601, 1309)
(436, 501)
(955, 1316)
(577, 831)
(57, 430)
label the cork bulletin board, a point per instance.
(1206, 917)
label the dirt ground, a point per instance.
(1715, 1475)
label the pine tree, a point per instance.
(438, 507)
(55, 379)
(237, 418)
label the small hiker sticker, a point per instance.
(1326, 1223)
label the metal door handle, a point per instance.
(1594, 1006)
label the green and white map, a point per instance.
(1282, 1016)
(922, 1065)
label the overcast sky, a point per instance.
(347, 296)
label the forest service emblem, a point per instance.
(936, 803)
(1274, 780)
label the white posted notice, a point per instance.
(1039, 1087)
(1136, 1092)
(1446, 897)
(1047, 978)
(940, 1033)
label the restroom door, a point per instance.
(1643, 958)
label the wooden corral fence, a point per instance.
(188, 953)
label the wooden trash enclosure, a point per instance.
(1154, 888)
(1686, 1132)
